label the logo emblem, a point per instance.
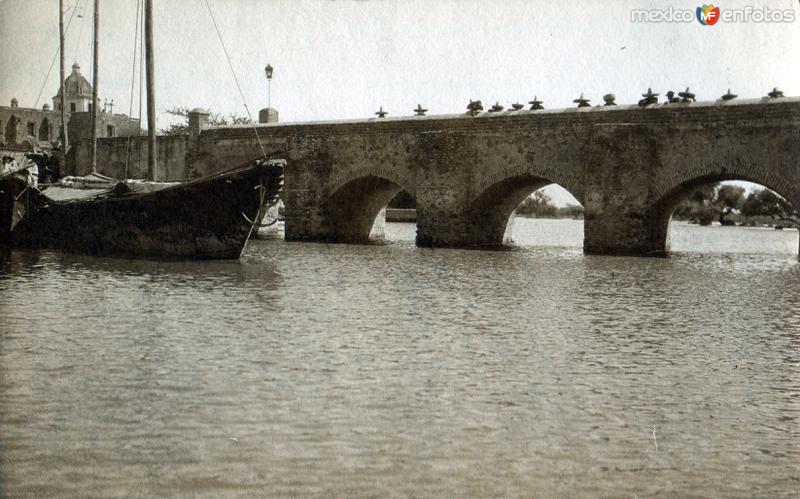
(708, 15)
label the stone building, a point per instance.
(25, 128)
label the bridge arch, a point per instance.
(488, 216)
(348, 213)
(688, 179)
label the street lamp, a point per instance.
(268, 71)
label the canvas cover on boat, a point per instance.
(97, 186)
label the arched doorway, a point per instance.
(45, 129)
(10, 132)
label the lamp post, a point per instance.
(268, 71)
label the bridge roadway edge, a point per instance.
(620, 163)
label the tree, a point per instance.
(214, 119)
(765, 203)
(537, 205)
(699, 207)
(571, 211)
(729, 198)
(703, 194)
(710, 202)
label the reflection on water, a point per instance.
(310, 369)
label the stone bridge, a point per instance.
(629, 167)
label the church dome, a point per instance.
(76, 85)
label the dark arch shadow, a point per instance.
(663, 208)
(403, 200)
(349, 213)
(10, 132)
(488, 216)
(45, 129)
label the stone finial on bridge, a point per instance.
(775, 94)
(380, 113)
(517, 106)
(687, 96)
(671, 98)
(609, 100)
(536, 104)
(650, 97)
(729, 96)
(474, 107)
(496, 108)
(582, 101)
(420, 111)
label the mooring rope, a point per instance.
(257, 217)
(230, 65)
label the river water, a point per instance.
(393, 371)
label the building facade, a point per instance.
(25, 128)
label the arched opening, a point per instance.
(723, 214)
(401, 217)
(10, 132)
(353, 213)
(403, 201)
(492, 217)
(44, 129)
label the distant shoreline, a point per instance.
(409, 215)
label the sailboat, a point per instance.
(208, 218)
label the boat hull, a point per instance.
(14, 204)
(202, 219)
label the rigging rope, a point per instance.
(133, 83)
(52, 63)
(230, 65)
(80, 33)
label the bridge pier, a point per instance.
(628, 166)
(624, 234)
(484, 223)
(619, 218)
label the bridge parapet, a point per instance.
(628, 165)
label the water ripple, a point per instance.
(309, 369)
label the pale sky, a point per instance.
(344, 58)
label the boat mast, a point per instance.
(63, 92)
(151, 99)
(94, 84)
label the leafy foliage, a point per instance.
(540, 205)
(214, 119)
(765, 203)
(723, 202)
